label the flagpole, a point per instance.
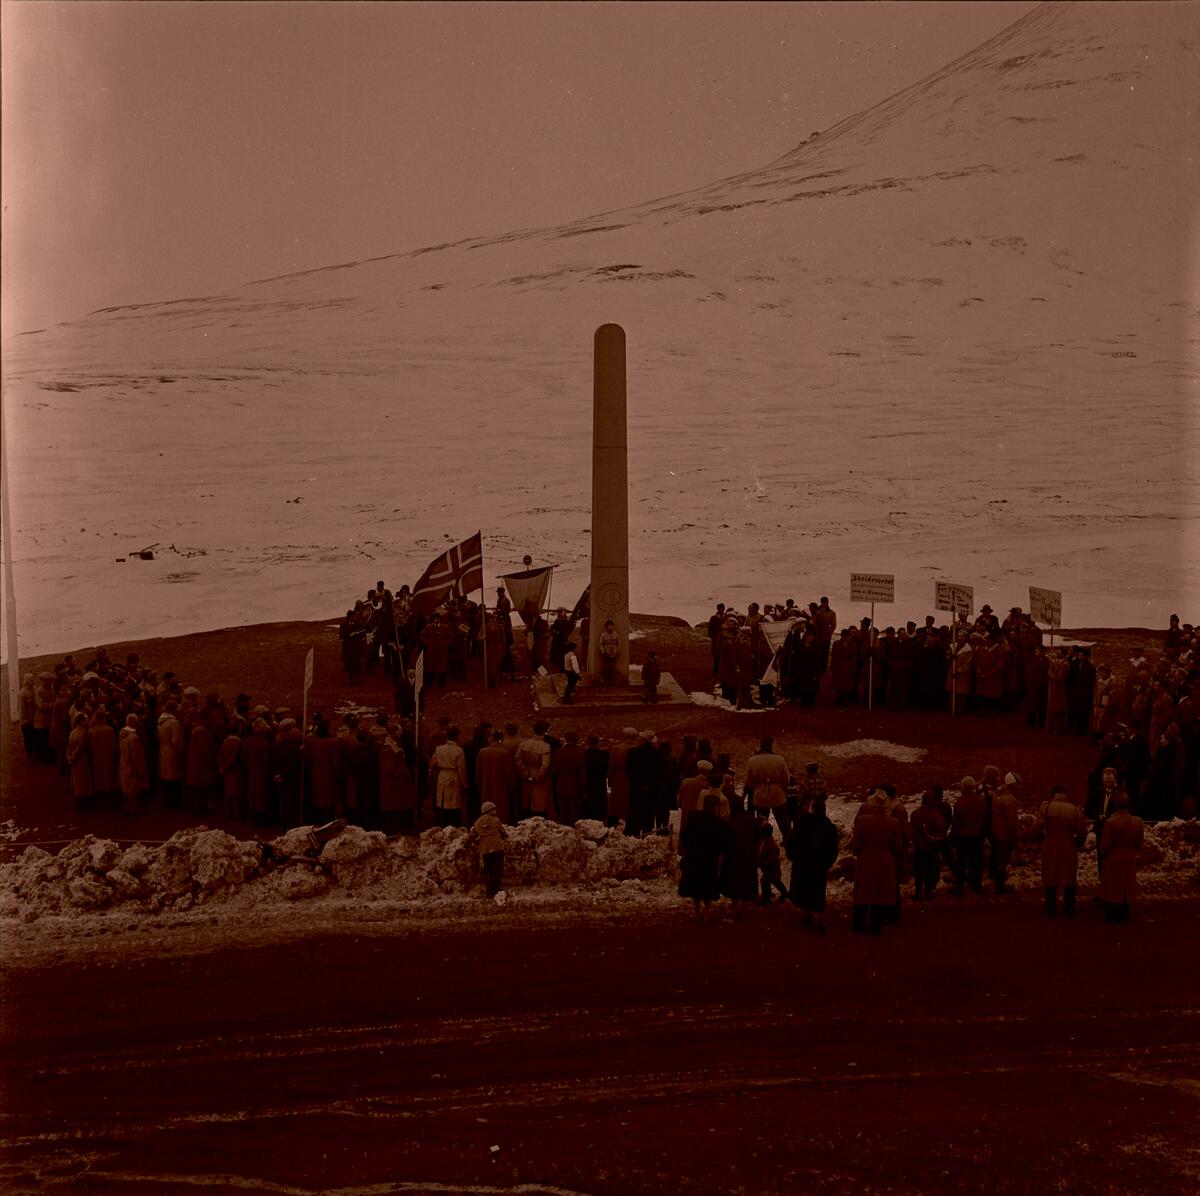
(483, 612)
(10, 592)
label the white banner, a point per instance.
(776, 633)
(872, 587)
(1045, 606)
(947, 595)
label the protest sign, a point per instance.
(872, 587)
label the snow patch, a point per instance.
(876, 747)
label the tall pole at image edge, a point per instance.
(10, 592)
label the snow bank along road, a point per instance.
(973, 1048)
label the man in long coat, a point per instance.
(134, 775)
(256, 760)
(878, 841)
(1120, 841)
(496, 777)
(533, 766)
(1066, 828)
(568, 779)
(79, 760)
(102, 746)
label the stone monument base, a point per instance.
(594, 699)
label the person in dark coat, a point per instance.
(651, 675)
(705, 842)
(813, 849)
(202, 778)
(364, 768)
(644, 766)
(321, 758)
(102, 748)
(930, 828)
(596, 803)
(739, 871)
(568, 779)
(233, 775)
(287, 760)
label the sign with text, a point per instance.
(1045, 606)
(947, 595)
(872, 587)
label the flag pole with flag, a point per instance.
(458, 571)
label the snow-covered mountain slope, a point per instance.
(951, 336)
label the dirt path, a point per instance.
(973, 1049)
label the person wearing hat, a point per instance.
(134, 776)
(533, 766)
(929, 827)
(1120, 841)
(703, 846)
(487, 836)
(568, 779)
(813, 849)
(968, 827)
(1065, 828)
(878, 842)
(644, 768)
(1005, 830)
(843, 665)
(287, 760)
(766, 785)
(691, 789)
(79, 760)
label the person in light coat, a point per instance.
(533, 766)
(170, 755)
(79, 760)
(766, 784)
(448, 777)
(1065, 828)
(1005, 830)
(134, 776)
(878, 842)
(1120, 841)
(488, 835)
(104, 752)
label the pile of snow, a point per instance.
(10, 832)
(876, 747)
(701, 698)
(199, 866)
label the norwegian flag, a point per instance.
(458, 571)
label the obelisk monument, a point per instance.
(610, 500)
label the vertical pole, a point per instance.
(483, 631)
(10, 592)
(953, 662)
(871, 661)
(610, 500)
(1049, 662)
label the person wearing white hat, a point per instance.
(1005, 830)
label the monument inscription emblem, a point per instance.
(611, 597)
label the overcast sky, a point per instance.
(159, 150)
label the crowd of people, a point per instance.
(126, 736)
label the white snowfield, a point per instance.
(953, 336)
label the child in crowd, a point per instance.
(488, 834)
(769, 865)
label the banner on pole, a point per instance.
(776, 633)
(872, 587)
(528, 586)
(308, 672)
(418, 676)
(959, 600)
(1045, 606)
